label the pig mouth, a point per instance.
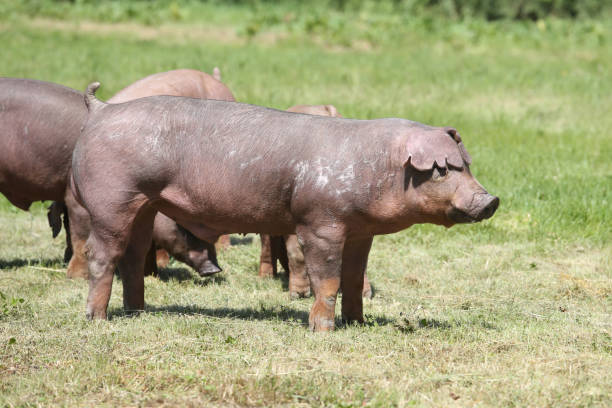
(461, 217)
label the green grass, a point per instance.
(515, 311)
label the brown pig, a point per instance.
(180, 82)
(333, 182)
(39, 125)
(286, 249)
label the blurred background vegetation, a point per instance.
(347, 23)
(115, 10)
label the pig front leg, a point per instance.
(267, 266)
(354, 263)
(224, 242)
(272, 250)
(322, 248)
(367, 288)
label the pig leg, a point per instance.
(299, 284)
(150, 266)
(223, 242)
(279, 251)
(323, 257)
(367, 288)
(68, 250)
(267, 268)
(354, 262)
(162, 258)
(138, 255)
(112, 220)
(103, 252)
(79, 226)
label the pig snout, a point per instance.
(205, 263)
(209, 268)
(490, 207)
(482, 206)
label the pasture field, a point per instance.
(515, 311)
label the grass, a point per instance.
(515, 311)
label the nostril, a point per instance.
(490, 209)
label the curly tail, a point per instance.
(91, 101)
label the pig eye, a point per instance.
(438, 173)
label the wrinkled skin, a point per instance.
(334, 182)
(286, 249)
(39, 124)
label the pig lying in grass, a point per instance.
(217, 167)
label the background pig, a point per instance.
(39, 125)
(286, 250)
(180, 82)
(334, 182)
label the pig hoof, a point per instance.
(295, 294)
(321, 325)
(132, 312)
(91, 315)
(352, 320)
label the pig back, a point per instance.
(238, 161)
(180, 82)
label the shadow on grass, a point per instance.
(184, 274)
(241, 240)
(282, 313)
(249, 313)
(412, 325)
(18, 262)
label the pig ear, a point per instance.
(331, 109)
(427, 150)
(464, 153)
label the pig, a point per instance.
(286, 249)
(217, 167)
(39, 125)
(180, 82)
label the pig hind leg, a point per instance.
(139, 255)
(112, 222)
